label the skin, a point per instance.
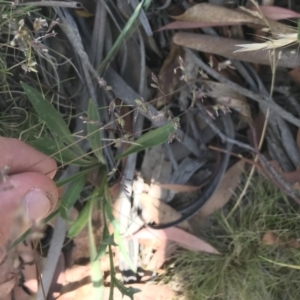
(30, 172)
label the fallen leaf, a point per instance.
(290, 177)
(155, 210)
(205, 12)
(167, 78)
(226, 47)
(224, 192)
(277, 13)
(192, 25)
(271, 238)
(181, 237)
(229, 98)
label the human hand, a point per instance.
(27, 190)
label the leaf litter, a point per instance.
(170, 151)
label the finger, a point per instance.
(24, 199)
(20, 157)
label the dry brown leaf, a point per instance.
(224, 192)
(154, 210)
(290, 177)
(206, 12)
(167, 78)
(278, 13)
(192, 25)
(226, 47)
(271, 238)
(181, 237)
(229, 98)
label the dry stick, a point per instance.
(66, 4)
(261, 99)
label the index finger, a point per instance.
(20, 157)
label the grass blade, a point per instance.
(57, 150)
(71, 195)
(94, 134)
(127, 30)
(96, 273)
(50, 115)
(80, 222)
(152, 138)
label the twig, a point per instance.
(66, 4)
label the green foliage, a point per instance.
(71, 195)
(50, 116)
(80, 222)
(245, 270)
(150, 139)
(94, 134)
(60, 152)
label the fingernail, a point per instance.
(37, 204)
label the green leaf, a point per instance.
(125, 33)
(96, 272)
(128, 291)
(80, 222)
(64, 181)
(71, 195)
(150, 139)
(106, 240)
(57, 150)
(50, 116)
(94, 133)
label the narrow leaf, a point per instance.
(80, 222)
(64, 181)
(150, 139)
(57, 150)
(128, 291)
(96, 273)
(50, 115)
(71, 195)
(94, 134)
